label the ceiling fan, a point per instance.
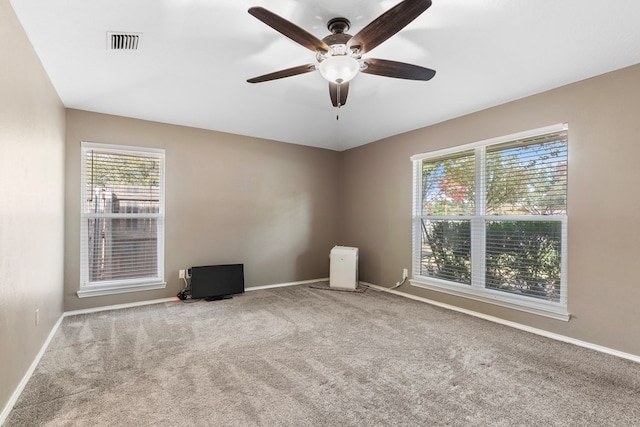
(339, 55)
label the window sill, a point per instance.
(540, 308)
(102, 290)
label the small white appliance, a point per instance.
(343, 267)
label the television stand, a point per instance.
(218, 298)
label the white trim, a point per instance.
(489, 296)
(476, 289)
(525, 328)
(119, 306)
(18, 391)
(91, 291)
(157, 301)
(123, 149)
(497, 140)
(94, 289)
(282, 285)
(27, 376)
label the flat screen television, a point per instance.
(215, 282)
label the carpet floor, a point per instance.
(300, 356)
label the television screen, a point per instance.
(217, 281)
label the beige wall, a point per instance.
(229, 198)
(279, 208)
(31, 203)
(604, 240)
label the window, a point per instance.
(122, 231)
(490, 221)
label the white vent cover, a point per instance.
(122, 41)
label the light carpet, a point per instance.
(300, 356)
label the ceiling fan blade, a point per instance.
(333, 93)
(387, 24)
(289, 29)
(289, 72)
(398, 70)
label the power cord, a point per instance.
(184, 293)
(398, 284)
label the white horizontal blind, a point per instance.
(447, 201)
(528, 177)
(526, 203)
(446, 251)
(524, 257)
(122, 216)
(492, 217)
(448, 185)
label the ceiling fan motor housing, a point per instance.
(338, 25)
(339, 54)
(338, 38)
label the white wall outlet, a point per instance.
(181, 274)
(405, 273)
(37, 316)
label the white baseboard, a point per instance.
(16, 394)
(541, 332)
(171, 299)
(119, 306)
(282, 285)
(27, 376)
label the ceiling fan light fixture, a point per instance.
(339, 68)
(339, 55)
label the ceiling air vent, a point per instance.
(123, 41)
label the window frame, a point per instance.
(476, 290)
(92, 289)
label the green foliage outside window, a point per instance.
(448, 250)
(520, 256)
(524, 257)
(117, 170)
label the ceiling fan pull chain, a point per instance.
(339, 81)
(339, 55)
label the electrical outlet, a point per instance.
(181, 274)
(37, 316)
(405, 273)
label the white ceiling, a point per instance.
(195, 56)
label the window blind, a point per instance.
(527, 177)
(491, 218)
(122, 216)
